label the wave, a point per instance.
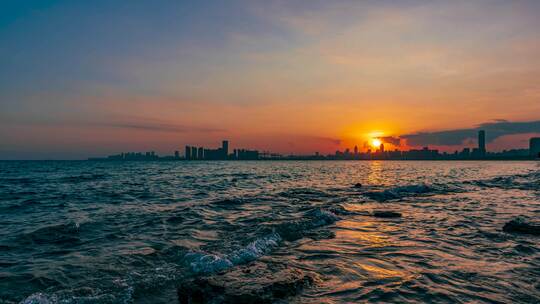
(288, 231)
(306, 194)
(23, 181)
(38, 298)
(83, 178)
(410, 191)
(234, 203)
(54, 234)
(76, 297)
(210, 263)
(529, 181)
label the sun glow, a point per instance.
(375, 142)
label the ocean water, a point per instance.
(129, 232)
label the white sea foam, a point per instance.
(39, 298)
(210, 263)
(123, 296)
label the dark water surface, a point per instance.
(106, 232)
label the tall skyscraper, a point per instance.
(534, 147)
(187, 154)
(225, 149)
(482, 142)
(193, 152)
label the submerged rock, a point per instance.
(520, 225)
(386, 214)
(256, 282)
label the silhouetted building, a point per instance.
(132, 156)
(534, 147)
(176, 154)
(396, 154)
(481, 143)
(425, 153)
(225, 149)
(242, 154)
(187, 153)
(382, 148)
(221, 153)
(200, 153)
(465, 153)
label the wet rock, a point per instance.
(357, 185)
(256, 282)
(386, 214)
(520, 225)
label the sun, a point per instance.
(375, 142)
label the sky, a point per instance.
(90, 78)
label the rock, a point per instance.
(520, 225)
(256, 282)
(386, 214)
(357, 185)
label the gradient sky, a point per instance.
(91, 78)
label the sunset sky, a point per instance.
(91, 78)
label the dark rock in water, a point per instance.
(386, 214)
(357, 185)
(256, 282)
(519, 225)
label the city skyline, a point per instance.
(376, 152)
(81, 78)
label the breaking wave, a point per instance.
(411, 191)
(529, 181)
(209, 263)
(83, 295)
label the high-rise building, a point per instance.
(176, 154)
(225, 149)
(194, 153)
(465, 153)
(534, 147)
(482, 143)
(200, 154)
(382, 148)
(188, 152)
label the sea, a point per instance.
(131, 232)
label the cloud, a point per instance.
(117, 122)
(158, 127)
(396, 141)
(494, 130)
